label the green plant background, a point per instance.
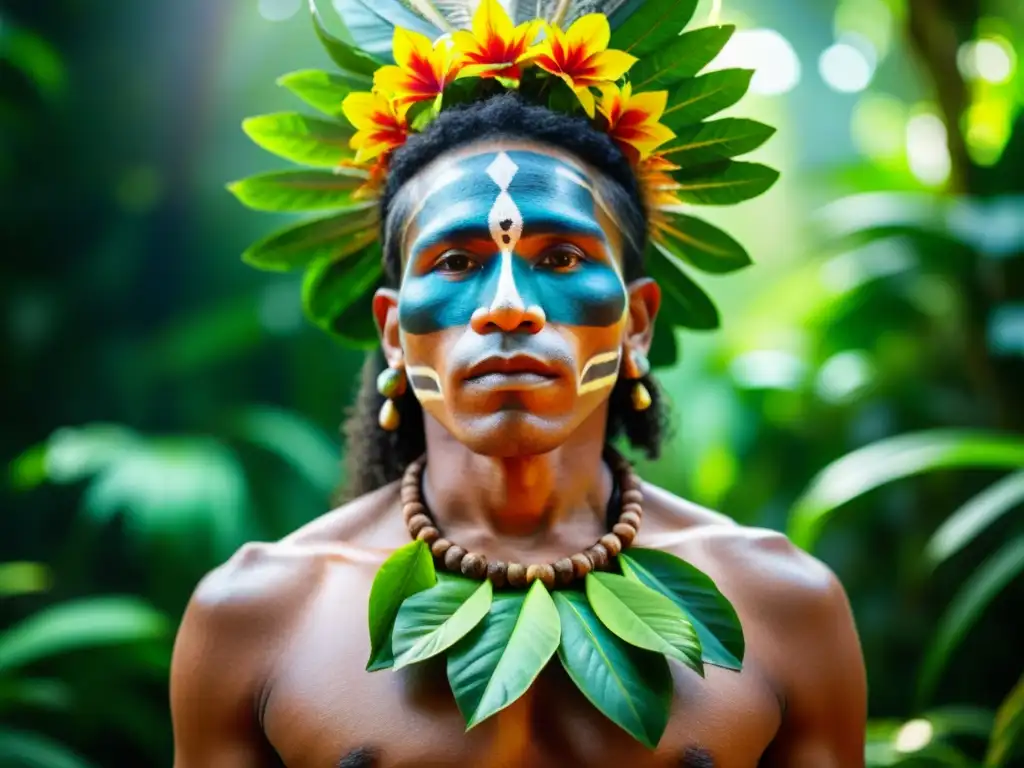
(164, 402)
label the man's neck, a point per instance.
(521, 495)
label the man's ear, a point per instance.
(385, 314)
(644, 302)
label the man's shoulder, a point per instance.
(755, 563)
(263, 581)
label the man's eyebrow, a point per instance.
(459, 228)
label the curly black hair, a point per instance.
(375, 457)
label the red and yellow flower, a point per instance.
(633, 120)
(380, 124)
(422, 71)
(580, 57)
(658, 188)
(494, 47)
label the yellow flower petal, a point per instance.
(390, 80)
(491, 20)
(463, 41)
(610, 65)
(358, 108)
(590, 33)
(651, 103)
(406, 44)
(586, 99)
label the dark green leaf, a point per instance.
(643, 617)
(301, 139)
(355, 326)
(716, 140)
(683, 302)
(346, 56)
(329, 238)
(372, 23)
(286, 191)
(684, 57)
(332, 286)
(434, 620)
(83, 623)
(712, 615)
(725, 183)
(701, 97)
(630, 686)
(664, 350)
(23, 578)
(324, 91)
(652, 26)
(984, 583)
(499, 660)
(1009, 728)
(23, 748)
(409, 569)
(698, 243)
(964, 525)
(893, 459)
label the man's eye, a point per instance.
(454, 263)
(562, 259)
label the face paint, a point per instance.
(494, 203)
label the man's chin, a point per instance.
(511, 432)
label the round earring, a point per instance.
(390, 384)
(638, 366)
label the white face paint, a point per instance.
(506, 225)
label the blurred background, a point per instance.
(165, 403)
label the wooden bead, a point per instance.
(417, 523)
(389, 418)
(410, 493)
(581, 564)
(636, 509)
(632, 497)
(497, 572)
(626, 533)
(630, 518)
(563, 571)
(439, 547)
(641, 397)
(631, 482)
(391, 382)
(474, 566)
(453, 558)
(612, 543)
(544, 573)
(411, 509)
(598, 556)
(429, 534)
(516, 575)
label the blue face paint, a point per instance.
(544, 200)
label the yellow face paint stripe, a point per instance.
(604, 381)
(426, 372)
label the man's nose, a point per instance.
(507, 312)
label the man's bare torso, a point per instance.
(290, 620)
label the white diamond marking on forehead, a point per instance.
(504, 221)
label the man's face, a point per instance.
(512, 310)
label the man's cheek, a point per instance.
(592, 297)
(430, 304)
(424, 362)
(598, 352)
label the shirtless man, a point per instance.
(269, 664)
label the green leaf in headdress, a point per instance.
(725, 183)
(332, 285)
(346, 56)
(653, 25)
(698, 243)
(697, 98)
(324, 91)
(333, 237)
(716, 140)
(684, 57)
(290, 191)
(683, 302)
(301, 139)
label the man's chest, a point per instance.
(321, 706)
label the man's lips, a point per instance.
(516, 369)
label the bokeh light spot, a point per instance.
(845, 68)
(879, 126)
(927, 149)
(279, 10)
(914, 736)
(991, 59)
(776, 66)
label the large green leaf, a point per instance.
(84, 623)
(301, 139)
(964, 525)
(289, 191)
(23, 749)
(324, 91)
(333, 286)
(23, 578)
(299, 245)
(652, 26)
(355, 326)
(701, 97)
(630, 686)
(434, 620)
(499, 660)
(698, 243)
(1009, 728)
(346, 56)
(885, 461)
(683, 302)
(409, 569)
(725, 183)
(644, 618)
(712, 615)
(716, 140)
(984, 583)
(18, 693)
(664, 350)
(687, 55)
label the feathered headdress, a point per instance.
(626, 64)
